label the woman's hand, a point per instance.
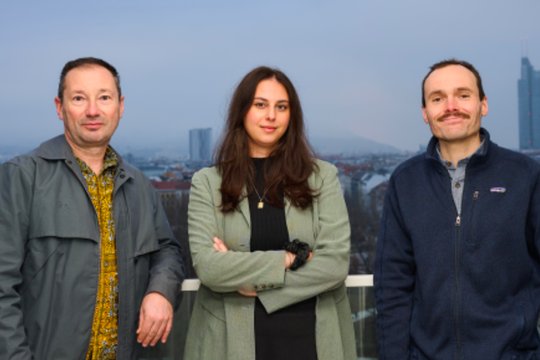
(289, 259)
(248, 293)
(219, 245)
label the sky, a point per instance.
(357, 64)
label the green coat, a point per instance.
(50, 241)
(221, 325)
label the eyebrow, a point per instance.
(434, 93)
(441, 92)
(264, 99)
(100, 91)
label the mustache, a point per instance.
(453, 114)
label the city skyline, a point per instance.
(529, 106)
(356, 65)
(200, 144)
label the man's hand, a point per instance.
(155, 320)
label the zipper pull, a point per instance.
(475, 195)
(458, 220)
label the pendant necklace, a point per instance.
(260, 204)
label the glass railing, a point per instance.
(361, 297)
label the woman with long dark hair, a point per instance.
(269, 237)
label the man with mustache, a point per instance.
(458, 255)
(89, 267)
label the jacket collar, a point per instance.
(58, 148)
(431, 151)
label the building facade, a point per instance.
(529, 106)
(200, 144)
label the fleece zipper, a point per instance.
(457, 294)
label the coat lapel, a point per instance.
(287, 207)
(244, 208)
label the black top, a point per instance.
(288, 333)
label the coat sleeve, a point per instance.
(533, 217)
(329, 265)
(167, 270)
(233, 270)
(394, 280)
(15, 199)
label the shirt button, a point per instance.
(457, 185)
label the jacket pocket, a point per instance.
(212, 303)
(473, 240)
(207, 333)
(526, 341)
(340, 294)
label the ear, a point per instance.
(484, 106)
(121, 107)
(59, 108)
(424, 115)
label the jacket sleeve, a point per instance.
(394, 280)
(167, 269)
(329, 265)
(15, 198)
(233, 270)
(533, 218)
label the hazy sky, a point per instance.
(357, 64)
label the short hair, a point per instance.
(86, 61)
(448, 62)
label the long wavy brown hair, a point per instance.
(290, 163)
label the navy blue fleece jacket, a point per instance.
(452, 285)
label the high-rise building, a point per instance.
(200, 144)
(529, 106)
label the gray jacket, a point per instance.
(221, 325)
(49, 239)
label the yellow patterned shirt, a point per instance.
(104, 338)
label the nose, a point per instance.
(271, 114)
(92, 109)
(451, 103)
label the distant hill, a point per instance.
(323, 145)
(356, 145)
(9, 151)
